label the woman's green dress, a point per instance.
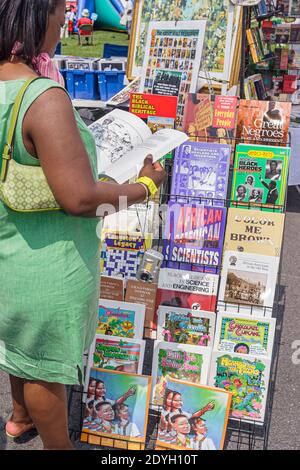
(49, 272)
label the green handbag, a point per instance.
(23, 188)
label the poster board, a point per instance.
(219, 32)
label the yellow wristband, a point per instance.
(149, 183)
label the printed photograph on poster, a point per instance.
(118, 354)
(294, 8)
(194, 417)
(186, 326)
(172, 60)
(178, 361)
(249, 279)
(251, 231)
(247, 378)
(242, 334)
(219, 35)
(117, 406)
(121, 319)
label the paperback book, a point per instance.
(249, 280)
(117, 353)
(251, 231)
(122, 253)
(263, 122)
(121, 319)
(178, 361)
(260, 177)
(201, 173)
(247, 378)
(186, 326)
(123, 141)
(210, 117)
(118, 415)
(186, 289)
(194, 417)
(242, 334)
(193, 237)
(143, 293)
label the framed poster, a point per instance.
(219, 36)
(172, 59)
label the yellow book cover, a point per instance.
(252, 231)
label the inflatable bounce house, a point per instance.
(109, 11)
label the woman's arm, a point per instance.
(50, 132)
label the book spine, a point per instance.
(252, 46)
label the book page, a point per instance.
(116, 134)
(158, 145)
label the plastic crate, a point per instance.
(82, 84)
(114, 50)
(110, 83)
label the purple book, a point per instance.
(201, 171)
(193, 237)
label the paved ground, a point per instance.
(285, 422)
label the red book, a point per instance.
(145, 105)
(289, 84)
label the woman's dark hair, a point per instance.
(25, 22)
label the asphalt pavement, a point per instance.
(285, 417)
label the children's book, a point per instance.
(249, 280)
(263, 122)
(122, 253)
(251, 231)
(186, 326)
(117, 353)
(201, 172)
(247, 378)
(120, 319)
(260, 177)
(210, 117)
(194, 417)
(178, 361)
(186, 289)
(123, 142)
(242, 334)
(194, 236)
(117, 408)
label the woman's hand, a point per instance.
(153, 170)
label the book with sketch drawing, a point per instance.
(123, 142)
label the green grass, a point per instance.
(100, 38)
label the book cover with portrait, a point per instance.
(260, 177)
(264, 122)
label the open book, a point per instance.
(123, 142)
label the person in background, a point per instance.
(71, 16)
(127, 16)
(64, 32)
(85, 19)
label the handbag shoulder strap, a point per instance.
(7, 154)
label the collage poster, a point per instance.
(219, 14)
(172, 60)
(193, 417)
